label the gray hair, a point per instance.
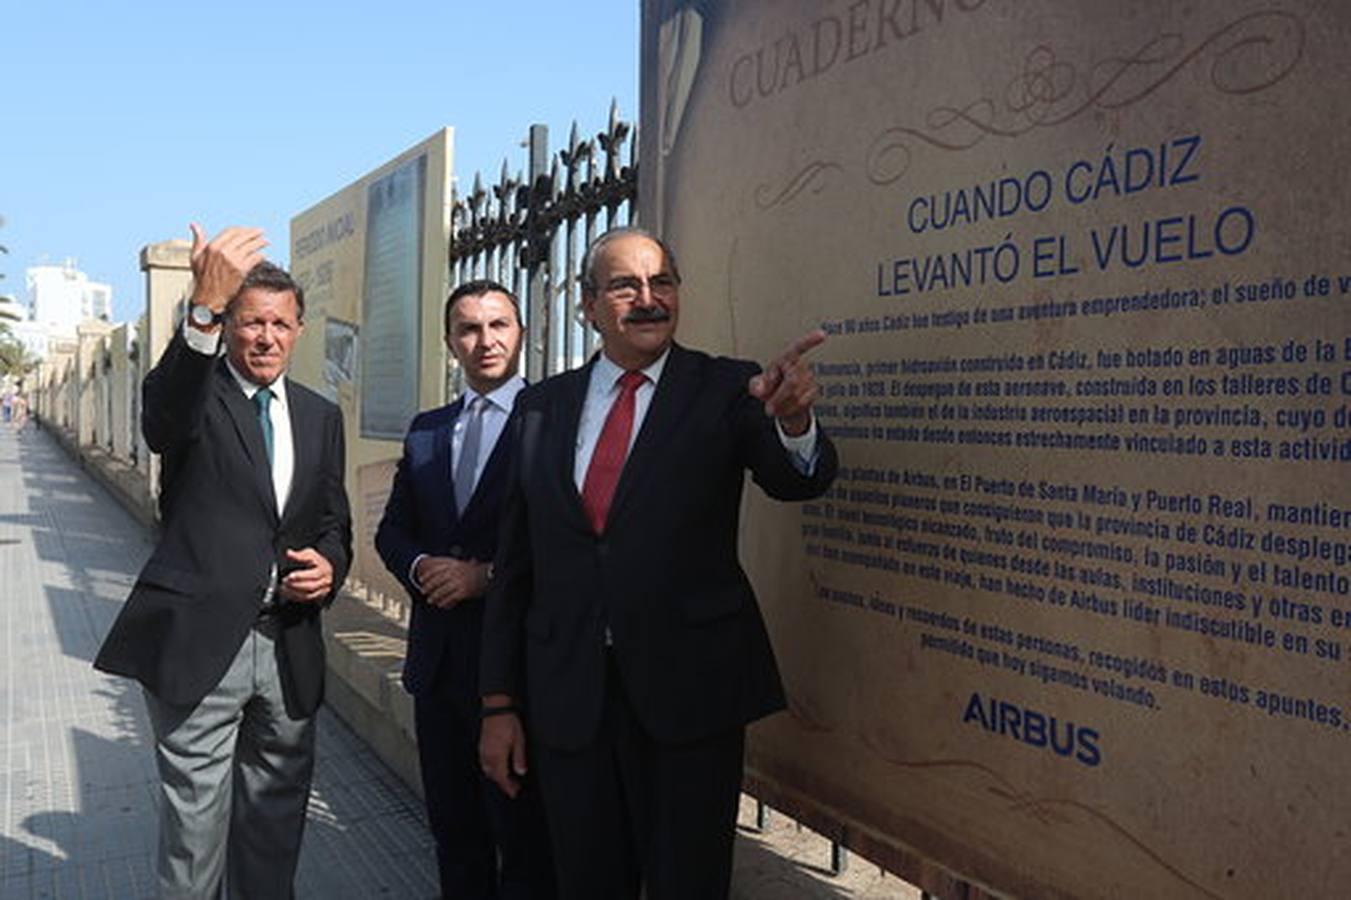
(588, 276)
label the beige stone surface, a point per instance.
(92, 339)
(168, 277)
(121, 383)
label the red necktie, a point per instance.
(602, 475)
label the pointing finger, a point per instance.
(802, 345)
(198, 239)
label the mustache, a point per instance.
(641, 314)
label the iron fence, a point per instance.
(530, 232)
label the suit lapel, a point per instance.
(305, 438)
(572, 389)
(244, 416)
(674, 393)
(443, 464)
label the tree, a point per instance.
(15, 359)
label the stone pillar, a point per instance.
(61, 357)
(39, 405)
(139, 367)
(89, 375)
(168, 278)
(168, 275)
(120, 378)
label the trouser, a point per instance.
(470, 818)
(628, 813)
(235, 776)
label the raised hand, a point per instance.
(787, 386)
(219, 267)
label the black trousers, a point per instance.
(470, 818)
(628, 813)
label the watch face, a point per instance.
(202, 315)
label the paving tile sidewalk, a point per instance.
(77, 781)
(78, 789)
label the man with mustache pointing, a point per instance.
(621, 633)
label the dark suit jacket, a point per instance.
(202, 588)
(421, 517)
(689, 639)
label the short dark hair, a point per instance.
(477, 288)
(274, 279)
(588, 276)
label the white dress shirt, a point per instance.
(283, 444)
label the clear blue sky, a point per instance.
(122, 122)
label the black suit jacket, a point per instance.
(689, 639)
(421, 517)
(202, 588)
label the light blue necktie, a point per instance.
(469, 450)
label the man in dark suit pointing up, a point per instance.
(222, 627)
(620, 622)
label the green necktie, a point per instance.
(262, 399)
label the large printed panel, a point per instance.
(391, 300)
(1075, 620)
(371, 258)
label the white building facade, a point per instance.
(60, 297)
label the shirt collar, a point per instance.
(503, 397)
(277, 387)
(606, 373)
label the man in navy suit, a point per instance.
(619, 608)
(438, 537)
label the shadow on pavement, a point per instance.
(81, 745)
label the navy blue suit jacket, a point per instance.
(421, 517)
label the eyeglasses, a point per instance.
(628, 288)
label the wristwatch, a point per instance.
(203, 316)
